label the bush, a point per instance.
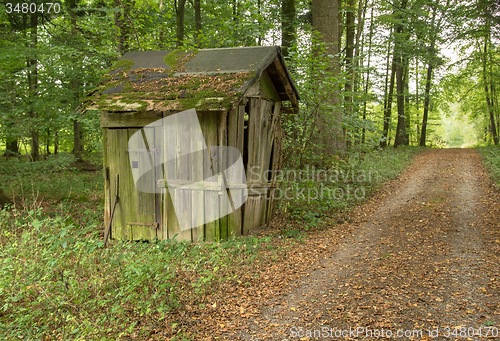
(491, 157)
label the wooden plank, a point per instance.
(254, 170)
(209, 126)
(276, 159)
(175, 170)
(249, 214)
(240, 138)
(117, 158)
(224, 196)
(112, 158)
(160, 204)
(107, 176)
(129, 119)
(234, 223)
(141, 206)
(282, 73)
(197, 213)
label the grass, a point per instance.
(491, 157)
(58, 281)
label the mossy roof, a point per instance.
(210, 79)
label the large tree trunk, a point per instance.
(288, 31)
(349, 56)
(487, 81)
(400, 138)
(197, 22)
(428, 79)
(123, 22)
(180, 6)
(75, 86)
(368, 71)
(325, 17)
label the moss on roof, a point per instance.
(180, 80)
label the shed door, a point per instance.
(136, 215)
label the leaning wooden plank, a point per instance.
(249, 214)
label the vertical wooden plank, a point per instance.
(222, 137)
(118, 152)
(253, 167)
(184, 173)
(159, 196)
(107, 177)
(234, 223)
(209, 128)
(174, 172)
(198, 211)
(111, 161)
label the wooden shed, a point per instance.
(237, 94)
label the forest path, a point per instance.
(424, 254)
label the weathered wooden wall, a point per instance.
(147, 216)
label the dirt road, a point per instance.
(418, 262)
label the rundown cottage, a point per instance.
(237, 95)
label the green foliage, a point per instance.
(56, 177)
(491, 157)
(57, 280)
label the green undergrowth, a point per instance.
(58, 281)
(491, 157)
(55, 179)
(312, 195)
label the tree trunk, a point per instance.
(11, 147)
(400, 138)
(124, 25)
(288, 31)
(325, 15)
(349, 58)
(428, 82)
(75, 86)
(388, 103)
(180, 6)
(407, 99)
(77, 140)
(486, 82)
(32, 65)
(197, 22)
(368, 71)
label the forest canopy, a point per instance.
(371, 73)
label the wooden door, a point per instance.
(136, 215)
